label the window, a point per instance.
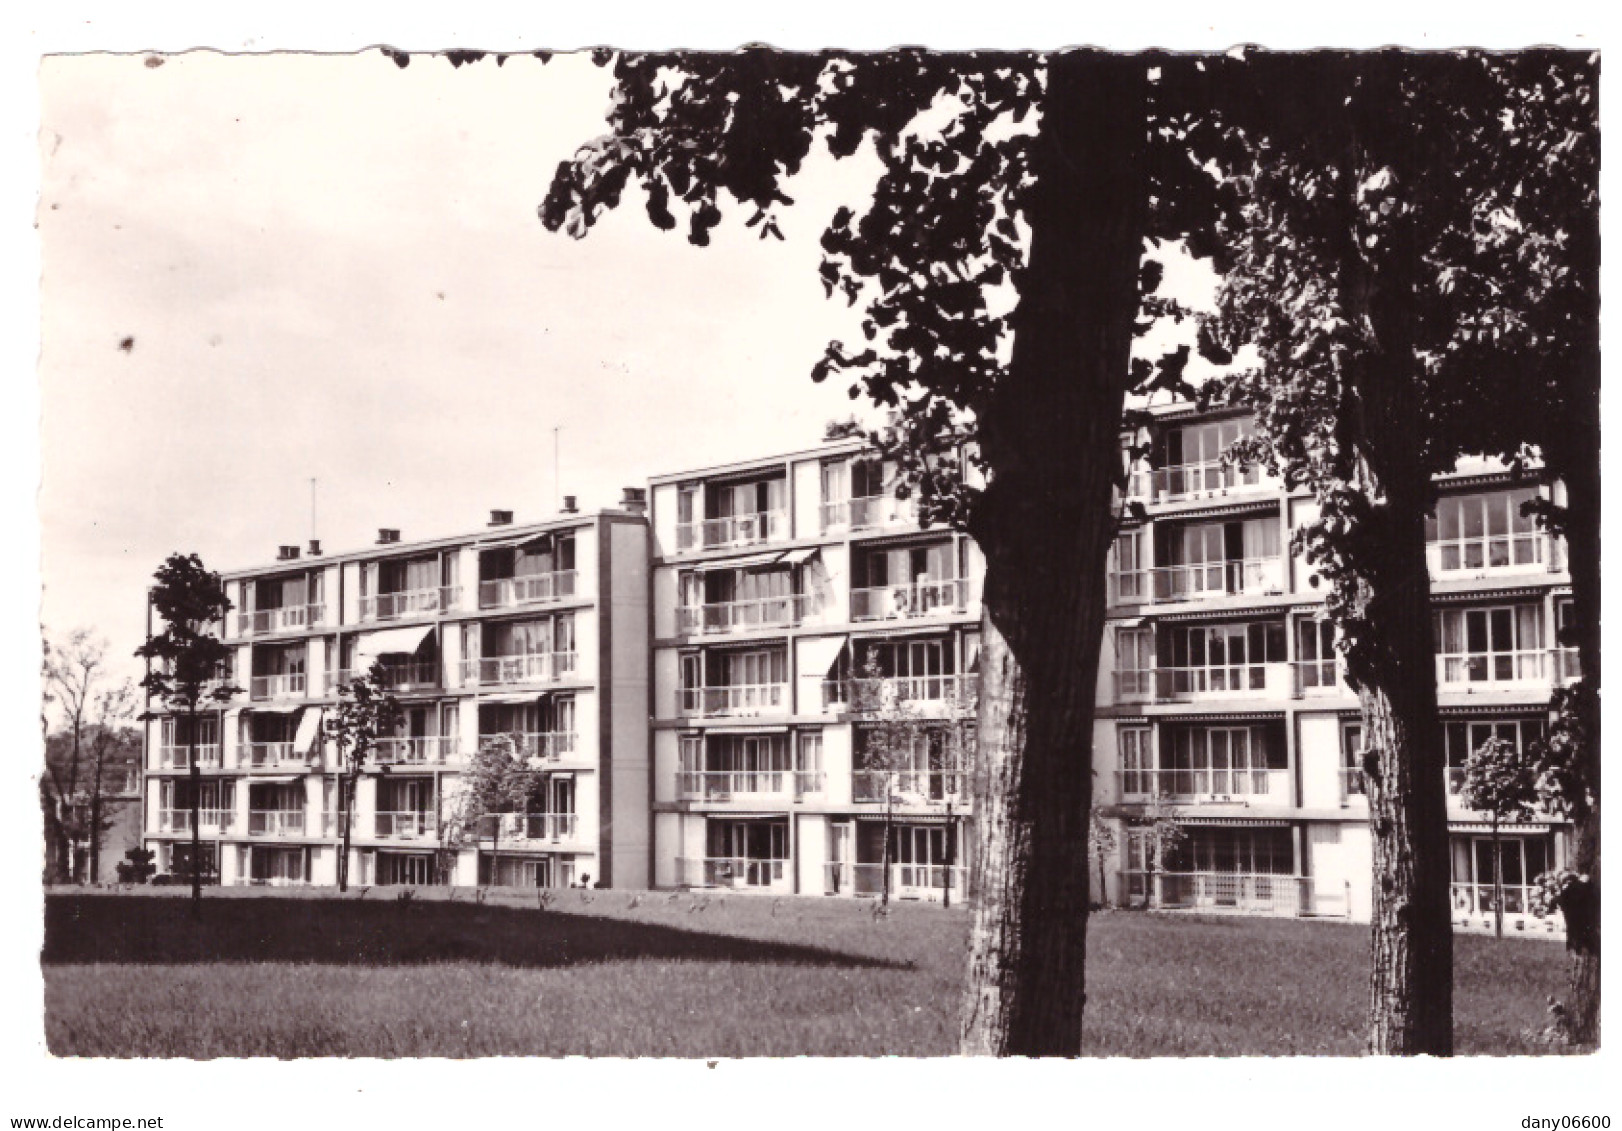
(1351, 761)
(1475, 532)
(1493, 645)
(1191, 458)
(1315, 652)
(1522, 860)
(1226, 657)
(1220, 558)
(1223, 761)
(1266, 851)
(1134, 661)
(1136, 752)
(1129, 566)
(1460, 737)
(808, 762)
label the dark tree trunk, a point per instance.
(346, 798)
(1045, 535)
(196, 776)
(1580, 905)
(1497, 883)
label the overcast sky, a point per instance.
(331, 268)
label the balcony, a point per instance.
(737, 530)
(403, 825)
(1192, 481)
(739, 699)
(276, 822)
(1486, 670)
(1481, 557)
(409, 603)
(430, 750)
(741, 616)
(530, 826)
(289, 685)
(511, 592)
(920, 599)
(213, 821)
(403, 678)
(506, 671)
(289, 618)
(538, 746)
(1246, 893)
(1471, 900)
(725, 785)
(1239, 577)
(179, 757)
(907, 881)
(930, 694)
(1205, 786)
(869, 512)
(273, 756)
(1179, 685)
(908, 787)
(738, 872)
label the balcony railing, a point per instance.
(208, 820)
(289, 618)
(1205, 785)
(908, 787)
(530, 826)
(506, 592)
(1485, 669)
(733, 699)
(287, 686)
(424, 750)
(1176, 684)
(731, 872)
(276, 822)
(1233, 578)
(179, 757)
(423, 676)
(409, 603)
(810, 783)
(740, 616)
(273, 756)
(1478, 899)
(737, 530)
(869, 512)
(1193, 480)
(724, 785)
(403, 825)
(537, 746)
(1498, 553)
(1248, 892)
(869, 695)
(920, 599)
(499, 671)
(907, 881)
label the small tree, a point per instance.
(1101, 842)
(137, 866)
(365, 712)
(188, 666)
(887, 746)
(1499, 780)
(499, 780)
(1160, 833)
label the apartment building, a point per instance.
(814, 660)
(1221, 704)
(536, 632)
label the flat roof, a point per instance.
(843, 446)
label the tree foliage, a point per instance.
(365, 712)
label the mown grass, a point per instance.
(610, 973)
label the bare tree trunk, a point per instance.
(346, 798)
(196, 777)
(1497, 883)
(1045, 536)
(884, 847)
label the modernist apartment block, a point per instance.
(1221, 703)
(538, 632)
(814, 660)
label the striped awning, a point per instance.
(912, 819)
(1503, 830)
(1224, 717)
(1252, 822)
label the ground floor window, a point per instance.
(405, 868)
(548, 871)
(1522, 858)
(1264, 851)
(178, 859)
(1461, 737)
(746, 853)
(267, 865)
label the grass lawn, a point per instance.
(612, 973)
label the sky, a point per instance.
(329, 267)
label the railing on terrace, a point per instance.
(920, 599)
(1506, 552)
(538, 667)
(276, 822)
(1488, 668)
(543, 746)
(407, 824)
(908, 787)
(866, 695)
(730, 872)
(1204, 785)
(737, 530)
(1226, 679)
(869, 512)
(208, 820)
(740, 616)
(179, 757)
(422, 676)
(272, 755)
(723, 785)
(907, 881)
(424, 750)
(409, 603)
(1240, 576)
(286, 686)
(289, 618)
(1190, 480)
(810, 783)
(1478, 899)
(734, 699)
(530, 826)
(1251, 893)
(505, 592)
